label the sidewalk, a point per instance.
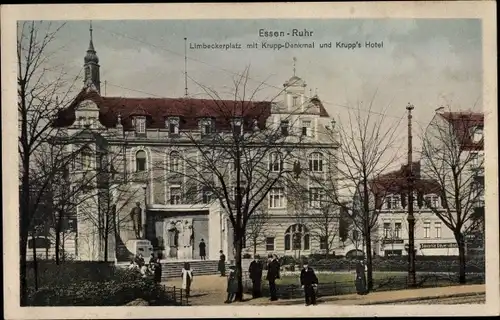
(386, 297)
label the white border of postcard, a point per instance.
(484, 10)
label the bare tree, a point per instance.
(367, 144)
(325, 226)
(239, 164)
(452, 154)
(37, 104)
(257, 227)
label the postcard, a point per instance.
(214, 160)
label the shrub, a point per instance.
(110, 288)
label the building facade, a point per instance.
(157, 167)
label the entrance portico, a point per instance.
(176, 231)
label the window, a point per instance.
(427, 230)
(315, 197)
(275, 162)
(173, 126)
(437, 226)
(140, 161)
(295, 101)
(284, 127)
(431, 201)
(86, 159)
(243, 191)
(140, 125)
(306, 128)
(299, 236)
(174, 161)
(237, 126)
(269, 243)
(175, 195)
(316, 162)
(478, 134)
(276, 198)
(393, 202)
(206, 127)
(206, 195)
(397, 230)
(355, 235)
(387, 230)
(306, 242)
(287, 241)
(322, 243)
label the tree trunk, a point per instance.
(35, 266)
(239, 246)
(461, 258)
(22, 270)
(255, 247)
(58, 243)
(368, 242)
(369, 263)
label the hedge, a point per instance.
(422, 263)
(78, 284)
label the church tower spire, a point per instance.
(91, 66)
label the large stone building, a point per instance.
(149, 158)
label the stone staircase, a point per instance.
(199, 267)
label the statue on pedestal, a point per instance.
(173, 240)
(136, 215)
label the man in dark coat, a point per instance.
(222, 264)
(255, 272)
(157, 270)
(309, 281)
(203, 249)
(273, 273)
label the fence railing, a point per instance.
(177, 295)
(334, 288)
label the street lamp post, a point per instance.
(411, 218)
(143, 216)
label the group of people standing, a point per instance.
(308, 279)
(153, 268)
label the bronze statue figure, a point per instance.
(135, 213)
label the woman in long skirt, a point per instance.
(360, 278)
(232, 284)
(157, 270)
(187, 278)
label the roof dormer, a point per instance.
(140, 119)
(87, 114)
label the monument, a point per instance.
(179, 235)
(139, 244)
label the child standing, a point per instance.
(232, 284)
(187, 278)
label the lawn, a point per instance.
(341, 277)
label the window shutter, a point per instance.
(378, 201)
(403, 200)
(420, 199)
(443, 202)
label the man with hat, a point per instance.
(255, 273)
(309, 282)
(273, 273)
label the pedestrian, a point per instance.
(360, 278)
(203, 249)
(273, 273)
(255, 272)
(309, 282)
(232, 284)
(139, 260)
(222, 264)
(187, 278)
(157, 270)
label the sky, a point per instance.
(426, 62)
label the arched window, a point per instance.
(316, 162)
(175, 161)
(140, 161)
(297, 237)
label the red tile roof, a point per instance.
(157, 110)
(397, 182)
(462, 124)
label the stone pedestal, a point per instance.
(143, 247)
